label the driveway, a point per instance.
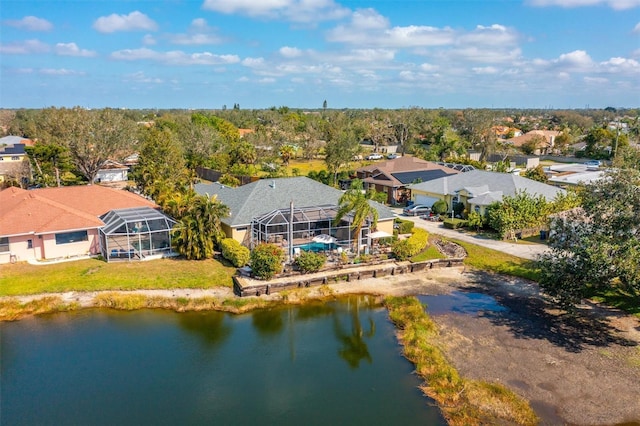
(525, 250)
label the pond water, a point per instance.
(459, 302)
(333, 363)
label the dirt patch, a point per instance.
(581, 369)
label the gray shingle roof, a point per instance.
(266, 195)
(509, 184)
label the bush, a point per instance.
(309, 261)
(405, 226)
(439, 207)
(455, 223)
(413, 245)
(235, 252)
(266, 261)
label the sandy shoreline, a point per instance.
(582, 370)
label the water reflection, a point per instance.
(353, 346)
(333, 363)
(267, 321)
(459, 302)
(210, 327)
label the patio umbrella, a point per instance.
(324, 238)
(379, 234)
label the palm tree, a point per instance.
(197, 232)
(357, 202)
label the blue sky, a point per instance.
(298, 53)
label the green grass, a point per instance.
(499, 262)
(12, 309)
(430, 253)
(463, 401)
(93, 274)
(617, 298)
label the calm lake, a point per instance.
(319, 364)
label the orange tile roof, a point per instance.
(61, 209)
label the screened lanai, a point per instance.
(308, 228)
(135, 234)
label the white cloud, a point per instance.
(135, 21)
(636, 29)
(614, 4)
(290, 52)
(307, 11)
(494, 35)
(59, 71)
(199, 33)
(149, 40)
(140, 77)
(621, 65)
(253, 62)
(369, 28)
(30, 23)
(71, 49)
(596, 80)
(485, 70)
(24, 47)
(175, 57)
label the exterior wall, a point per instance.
(240, 235)
(386, 226)
(51, 250)
(18, 247)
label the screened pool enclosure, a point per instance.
(307, 228)
(135, 234)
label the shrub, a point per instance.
(405, 226)
(266, 260)
(404, 249)
(309, 261)
(235, 252)
(455, 223)
(439, 207)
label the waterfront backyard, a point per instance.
(578, 369)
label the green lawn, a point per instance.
(93, 274)
(499, 262)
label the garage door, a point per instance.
(423, 199)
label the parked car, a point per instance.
(374, 156)
(593, 164)
(392, 156)
(416, 210)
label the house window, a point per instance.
(4, 244)
(29, 244)
(71, 237)
(15, 158)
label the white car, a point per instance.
(374, 156)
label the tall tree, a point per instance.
(161, 168)
(597, 247)
(199, 230)
(358, 203)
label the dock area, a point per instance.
(246, 286)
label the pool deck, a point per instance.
(246, 286)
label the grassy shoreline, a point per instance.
(463, 401)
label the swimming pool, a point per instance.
(316, 247)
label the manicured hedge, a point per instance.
(454, 223)
(235, 252)
(404, 249)
(405, 226)
(309, 261)
(266, 260)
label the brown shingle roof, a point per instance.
(382, 173)
(61, 209)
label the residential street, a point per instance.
(525, 250)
